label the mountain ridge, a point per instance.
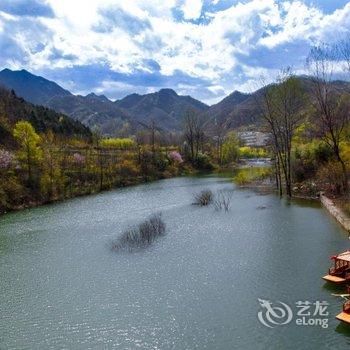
(166, 107)
(127, 115)
(43, 119)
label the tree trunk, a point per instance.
(344, 171)
(101, 169)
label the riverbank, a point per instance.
(179, 171)
(88, 192)
(251, 178)
(336, 211)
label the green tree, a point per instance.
(230, 148)
(52, 181)
(30, 152)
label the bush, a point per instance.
(118, 143)
(251, 174)
(12, 193)
(161, 162)
(203, 198)
(128, 169)
(331, 176)
(307, 158)
(143, 235)
(202, 162)
(252, 152)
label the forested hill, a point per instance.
(14, 108)
(34, 89)
(242, 109)
(165, 107)
(91, 110)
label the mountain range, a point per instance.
(123, 117)
(165, 107)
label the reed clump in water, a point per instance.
(203, 198)
(142, 235)
(222, 200)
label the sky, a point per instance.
(202, 48)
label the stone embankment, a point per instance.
(335, 211)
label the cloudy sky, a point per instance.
(204, 48)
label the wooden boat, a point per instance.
(344, 316)
(340, 273)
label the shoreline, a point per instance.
(336, 212)
(36, 204)
(132, 182)
(330, 205)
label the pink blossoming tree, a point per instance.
(78, 158)
(176, 157)
(6, 159)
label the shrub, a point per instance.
(128, 169)
(203, 198)
(251, 174)
(12, 192)
(118, 143)
(252, 152)
(143, 235)
(331, 176)
(160, 162)
(202, 162)
(307, 158)
(241, 178)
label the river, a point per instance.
(62, 287)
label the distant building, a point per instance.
(253, 138)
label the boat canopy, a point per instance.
(343, 256)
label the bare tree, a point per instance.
(332, 109)
(289, 98)
(281, 109)
(343, 52)
(220, 131)
(153, 130)
(193, 133)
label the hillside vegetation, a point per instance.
(14, 108)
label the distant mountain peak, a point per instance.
(32, 88)
(168, 91)
(238, 93)
(165, 106)
(25, 71)
(92, 95)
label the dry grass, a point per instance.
(142, 235)
(222, 200)
(203, 198)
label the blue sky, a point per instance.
(203, 48)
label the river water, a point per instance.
(62, 287)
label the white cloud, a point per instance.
(192, 9)
(212, 50)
